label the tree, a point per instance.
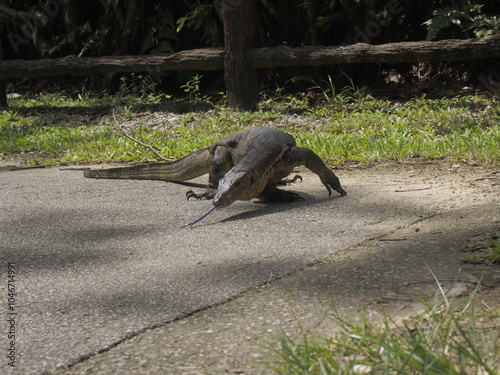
(239, 33)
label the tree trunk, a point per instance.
(3, 85)
(241, 79)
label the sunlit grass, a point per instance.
(484, 250)
(362, 130)
(444, 339)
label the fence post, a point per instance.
(3, 84)
(241, 79)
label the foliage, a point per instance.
(351, 128)
(485, 250)
(466, 17)
(92, 28)
(330, 94)
(484, 25)
(441, 340)
(201, 18)
(57, 28)
(81, 32)
(192, 87)
(160, 32)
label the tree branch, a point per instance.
(150, 148)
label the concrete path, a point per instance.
(102, 262)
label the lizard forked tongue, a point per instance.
(190, 225)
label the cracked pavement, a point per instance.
(108, 282)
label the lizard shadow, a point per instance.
(260, 208)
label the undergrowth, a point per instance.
(52, 129)
(484, 250)
(444, 339)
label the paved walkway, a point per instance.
(103, 267)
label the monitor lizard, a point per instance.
(248, 164)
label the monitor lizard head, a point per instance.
(235, 185)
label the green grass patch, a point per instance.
(441, 340)
(484, 250)
(57, 129)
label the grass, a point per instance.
(442, 340)
(54, 128)
(341, 128)
(448, 337)
(484, 250)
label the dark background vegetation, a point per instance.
(33, 29)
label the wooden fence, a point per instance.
(240, 62)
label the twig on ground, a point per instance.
(394, 239)
(416, 189)
(150, 148)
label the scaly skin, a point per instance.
(245, 165)
(194, 165)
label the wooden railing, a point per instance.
(240, 63)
